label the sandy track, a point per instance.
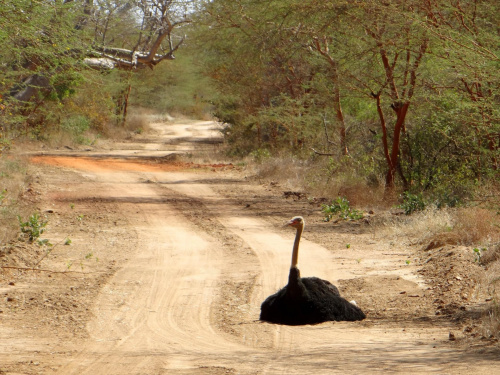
(187, 300)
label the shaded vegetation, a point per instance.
(409, 90)
(400, 94)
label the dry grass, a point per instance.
(468, 226)
(477, 226)
(14, 181)
(291, 173)
(312, 178)
(491, 282)
(137, 124)
(138, 119)
(420, 227)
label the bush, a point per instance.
(412, 203)
(341, 208)
(260, 154)
(33, 227)
(76, 126)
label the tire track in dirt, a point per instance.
(161, 300)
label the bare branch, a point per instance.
(321, 153)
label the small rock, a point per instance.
(451, 337)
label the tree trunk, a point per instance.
(340, 118)
(401, 110)
(125, 103)
(384, 130)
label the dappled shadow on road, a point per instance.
(125, 162)
(392, 358)
(204, 181)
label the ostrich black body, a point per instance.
(308, 300)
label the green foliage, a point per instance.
(175, 88)
(293, 62)
(77, 126)
(260, 154)
(412, 203)
(37, 38)
(478, 252)
(64, 84)
(33, 227)
(340, 207)
(5, 143)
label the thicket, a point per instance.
(406, 91)
(403, 94)
(72, 67)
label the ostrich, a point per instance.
(307, 300)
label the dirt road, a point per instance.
(186, 254)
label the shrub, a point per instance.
(260, 154)
(412, 203)
(341, 208)
(76, 126)
(33, 227)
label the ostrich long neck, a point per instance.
(295, 253)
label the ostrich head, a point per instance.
(296, 222)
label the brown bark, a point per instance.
(384, 130)
(400, 102)
(400, 120)
(125, 103)
(340, 119)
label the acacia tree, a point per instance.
(422, 71)
(467, 33)
(40, 53)
(151, 39)
(341, 33)
(49, 43)
(257, 65)
(390, 55)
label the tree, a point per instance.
(468, 33)
(39, 59)
(286, 67)
(50, 43)
(151, 40)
